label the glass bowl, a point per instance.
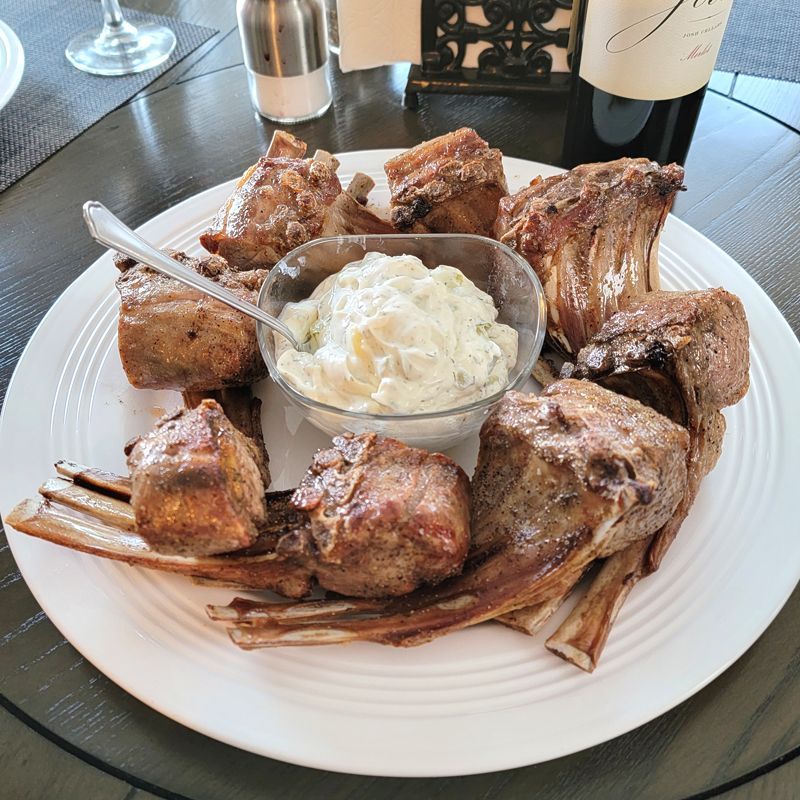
(491, 266)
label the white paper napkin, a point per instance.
(377, 32)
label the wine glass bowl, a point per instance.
(120, 48)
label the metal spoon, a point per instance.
(110, 231)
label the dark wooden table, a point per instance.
(68, 732)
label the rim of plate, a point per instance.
(784, 574)
(12, 63)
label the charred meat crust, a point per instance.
(383, 518)
(174, 337)
(587, 197)
(697, 338)
(197, 484)
(278, 204)
(452, 183)
(284, 201)
(685, 354)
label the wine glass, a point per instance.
(119, 48)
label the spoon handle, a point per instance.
(110, 231)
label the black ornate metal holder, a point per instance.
(514, 61)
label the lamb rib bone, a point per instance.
(326, 158)
(105, 482)
(103, 507)
(531, 619)
(43, 519)
(284, 145)
(243, 611)
(580, 639)
(360, 187)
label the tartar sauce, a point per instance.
(387, 335)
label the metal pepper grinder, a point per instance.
(285, 46)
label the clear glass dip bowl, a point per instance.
(491, 266)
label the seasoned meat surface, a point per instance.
(699, 338)
(383, 518)
(174, 337)
(278, 204)
(197, 484)
(591, 235)
(685, 354)
(592, 464)
(281, 203)
(450, 184)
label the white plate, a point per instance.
(482, 699)
(12, 63)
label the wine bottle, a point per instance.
(639, 74)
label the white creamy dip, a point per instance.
(387, 335)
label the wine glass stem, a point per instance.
(112, 14)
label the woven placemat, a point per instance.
(763, 39)
(55, 102)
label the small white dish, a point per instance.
(490, 265)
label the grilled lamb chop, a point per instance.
(574, 474)
(174, 337)
(383, 518)
(283, 201)
(451, 184)
(197, 483)
(591, 235)
(684, 354)
(372, 516)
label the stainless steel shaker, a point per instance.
(285, 48)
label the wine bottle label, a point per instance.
(652, 49)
